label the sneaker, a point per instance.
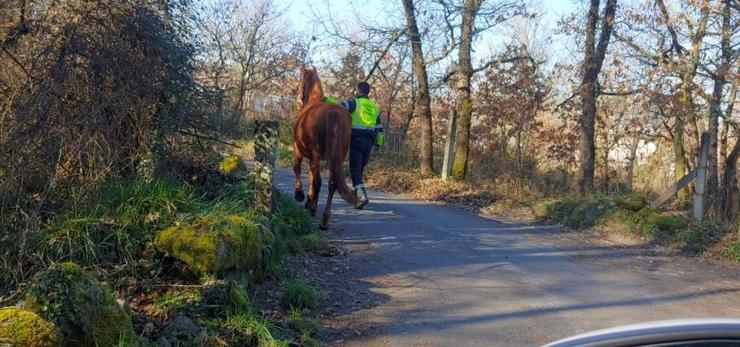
(362, 199)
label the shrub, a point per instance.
(299, 294)
(214, 243)
(85, 311)
(696, 238)
(21, 327)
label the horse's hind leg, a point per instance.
(314, 178)
(327, 210)
(297, 161)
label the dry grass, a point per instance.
(499, 198)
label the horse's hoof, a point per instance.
(323, 226)
(298, 195)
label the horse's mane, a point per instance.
(311, 90)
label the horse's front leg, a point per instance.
(297, 162)
(314, 179)
(327, 209)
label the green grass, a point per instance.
(115, 228)
(247, 324)
(314, 243)
(176, 300)
(299, 294)
(306, 328)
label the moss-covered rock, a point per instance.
(84, 310)
(663, 222)
(21, 327)
(214, 243)
(232, 164)
(632, 202)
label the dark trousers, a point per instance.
(361, 144)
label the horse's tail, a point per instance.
(336, 161)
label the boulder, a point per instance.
(21, 327)
(214, 243)
(632, 202)
(84, 310)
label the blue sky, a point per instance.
(300, 15)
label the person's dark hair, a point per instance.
(363, 88)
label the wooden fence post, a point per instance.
(265, 155)
(449, 146)
(701, 178)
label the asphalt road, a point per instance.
(444, 277)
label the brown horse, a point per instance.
(322, 132)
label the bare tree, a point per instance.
(594, 54)
(423, 95)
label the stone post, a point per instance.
(265, 155)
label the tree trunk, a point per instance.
(679, 157)
(631, 163)
(592, 63)
(464, 103)
(683, 101)
(726, 132)
(715, 105)
(729, 182)
(424, 98)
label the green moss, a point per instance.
(85, 311)
(632, 202)
(578, 213)
(667, 223)
(21, 327)
(214, 243)
(232, 164)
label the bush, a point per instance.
(85, 311)
(21, 327)
(696, 238)
(299, 294)
(213, 243)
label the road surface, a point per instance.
(444, 277)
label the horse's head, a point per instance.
(309, 87)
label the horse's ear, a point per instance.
(303, 69)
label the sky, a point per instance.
(299, 14)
